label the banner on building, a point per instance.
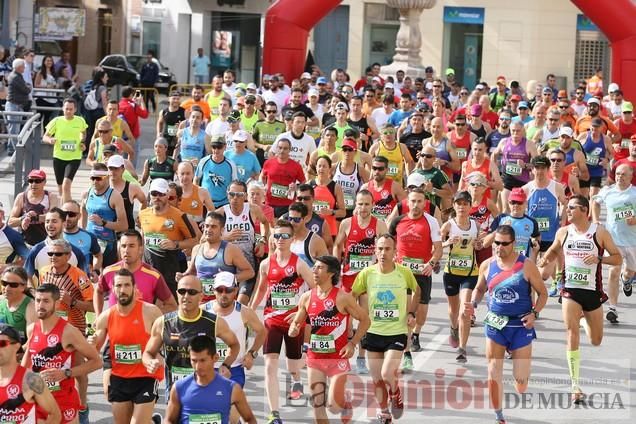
(60, 23)
(464, 15)
(222, 48)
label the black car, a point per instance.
(119, 70)
(166, 77)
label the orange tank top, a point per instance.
(128, 338)
(325, 198)
(484, 168)
(193, 205)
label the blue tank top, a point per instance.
(207, 268)
(441, 150)
(100, 205)
(83, 240)
(524, 228)
(594, 152)
(543, 206)
(192, 148)
(205, 404)
(569, 156)
(509, 291)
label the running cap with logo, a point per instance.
(321, 80)
(518, 195)
(224, 279)
(416, 180)
(567, 131)
(627, 107)
(160, 185)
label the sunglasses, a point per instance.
(427, 155)
(191, 292)
(157, 194)
(282, 236)
(572, 207)
(236, 193)
(97, 178)
(217, 146)
(437, 86)
(388, 132)
(563, 107)
(303, 198)
(556, 160)
(11, 284)
(103, 131)
(503, 243)
(58, 254)
(347, 149)
(71, 214)
(505, 118)
(35, 181)
(460, 124)
(5, 343)
(346, 92)
(515, 203)
(295, 219)
(378, 168)
(270, 111)
(172, 198)
(227, 290)
(474, 185)
(553, 120)
(463, 93)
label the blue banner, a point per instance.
(464, 15)
(583, 23)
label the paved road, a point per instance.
(440, 391)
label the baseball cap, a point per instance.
(321, 80)
(250, 98)
(594, 101)
(415, 180)
(160, 185)
(289, 114)
(10, 332)
(479, 87)
(565, 131)
(240, 135)
(476, 177)
(376, 79)
(112, 149)
(305, 75)
(627, 107)
(342, 105)
(235, 116)
(476, 110)
(598, 93)
(251, 86)
(241, 85)
(350, 142)
(562, 94)
(517, 194)
(115, 161)
(501, 80)
(515, 98)
(37, 173)
(388, 85)
(547, 90)
(523, 105)
(540, 161)
(613, 87)
(449, 71)
(312, 93)
(224, 279)
(462, 196)
(160, 141)
(429, 70)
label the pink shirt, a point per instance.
(148, 282)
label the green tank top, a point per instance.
(163, 170)
(17, 318)
(249, 122)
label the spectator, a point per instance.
(132, 108)
(18, 92)
(45, 78)
(99, 101)
(65, 62)
(201, 64)
(148, 77)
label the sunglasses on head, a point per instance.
(5, 343)
(282, 236)
(236, 193)
(303, 198)
(191, 292)
(295, 219)
(97, 178)
(503, 243)
(157, 194)
(71, 214)
(11, 284)
(227, 290)
(58, 254)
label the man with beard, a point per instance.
(412, 138)
(196, 99)
(593, 111)
(53, 348)
(133, 391)
(295, 105)
(214, 96)
(80, 238)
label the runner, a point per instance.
(461, 236)
(329, 311)
(386, 192)
(282, 278)
(509, 279)
(266, 131)
(28, 389)
(305, 244)
(329, 200)
(413, 137)
(53, 349)
(16, 307)
(462, 140)
(349, 175)
(247, 166)
(195, 201)
(215, 172)
(160, 165)
(305, 195)
(132, 391)
(193, 143)
(392, 313)
(438, 187)
(302, 144)
(620, 201)
(415, 180)
(599, 154)
(397, 154)
(419, 248)
(190, 397)
(130, 191)
(483, 210)
(479, 161)
(583, 244)
(169, 120)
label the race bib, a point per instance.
(284, 301)
(221, 350)
(208, 286)
(320, 205)
(350, 201)
(383, 312)
(578, 276)
(153, 240)
(592, 160)
(68, 146)
(622, 213)
(171, 130)
(128, 354)
(322, 343)
(416, 265)
(460, 263)
(513, 169)
(179, 373)
(496, 321)
(53, 386)
(205, 418)
(625, 143)
(62, 314)
(394, 169)
(461, 153)
(279, 191)
(358, 262)
(544, 224)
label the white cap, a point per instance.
(115, 161)
(416, 179)
(160, 185)
(251, 86)
(594, 100)
(476, 177)
(312, 92)
(613, 87)
(479, 87)
(224, 279)
(240, 135)
(376, 79)
(566, 131)
(305, 75)
(388, 85)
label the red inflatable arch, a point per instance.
(288, 22)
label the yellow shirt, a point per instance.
(396, 162)
(68, 134)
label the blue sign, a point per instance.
(583, 23)
(464, 15)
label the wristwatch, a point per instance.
(253, 354)
(68, 373)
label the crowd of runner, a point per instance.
(332, 204)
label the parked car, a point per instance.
(166, 77)
(119, 70)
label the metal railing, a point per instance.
(27, 146)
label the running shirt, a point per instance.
(68, 137)
(205, 404)
(192, 146)
(47, 352)
(177, 333)
(193, 205)
(461, 256)
(163, 170)
(388, 298)
(396, 162)
(576, 247)
(76, 284)
(213, 101)
(548, 135)
(626, 131)
(525, 228)
(300, 248)
(35, 232)
(207, 268)
(243, 221)
(266, 133)
(237, 326)
(621, 205)
(441, 152)
(350, 184)
(216, 178)
(359, 247)
(17, 318)
(462, 144)
(99, 204)
(13, 406)
(383, 199)
(413, 141)
(415, 238)
(484, 169)
(279, 177)
(249, 121)
(301, 147)
(594, 152)
(149, 283)
(38, 259)
(328, 326)
(84, 241)
(509, 290)
(171, 225)
(171, 123)
(246, 164)
(543, 206)
(284, 287)
(513, 153)
(128, 337)
(325, 198)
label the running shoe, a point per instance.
(461, 356)
(415, 343)
(407, 362)
(361, 366)
(627, 286)
(346, 415)
(612, 315)
(274, 418)
(296, 391)
(83, 416)
(384, 417)
(453, 339)
(553, 292)
(397, 404)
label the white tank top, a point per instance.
(350, 184)
(576, 246)
(236, 325)
(242, 221)
(461, 256)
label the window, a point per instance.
(151, 38)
